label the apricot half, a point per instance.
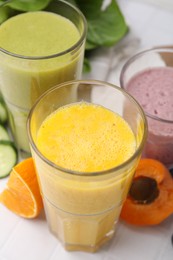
(150, 199)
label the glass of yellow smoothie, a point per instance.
(86, 149)
(38, 50)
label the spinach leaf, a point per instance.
(89, 45)
(73, 2)
(5, 13)
(90, 8)
(105, 27)
(3, 2)
(86, 65)
(28, 5)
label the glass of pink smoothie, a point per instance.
(148, 77)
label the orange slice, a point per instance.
(22, 194)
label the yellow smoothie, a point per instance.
(86, 138)
(83, 208)
(23, 80)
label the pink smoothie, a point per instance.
(153, 89)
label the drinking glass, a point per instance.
(157, 64)
(24, 78)
(82, 208)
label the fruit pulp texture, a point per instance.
(153, 90)
(82, 209)
(35, 34)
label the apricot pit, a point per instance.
(150, 199)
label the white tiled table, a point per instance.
(21, 239)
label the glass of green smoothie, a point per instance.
(37, 51)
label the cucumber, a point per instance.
(8, 157)
(3, 113)
(3, 133)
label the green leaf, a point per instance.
(86, 66)
(90, 8)
(89, 45)
(4, 2)
(28, 5)
(73, 2)
(5, 13)
(105, 27)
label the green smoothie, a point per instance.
(38, 34)
(34, 41)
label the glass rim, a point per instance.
(134, 58)
(73, 47)
(80, 173)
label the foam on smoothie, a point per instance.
(153, 88)
(86, 137)
(47, 34)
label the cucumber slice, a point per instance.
(8, 157)
(3, 113)
(3, 133)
